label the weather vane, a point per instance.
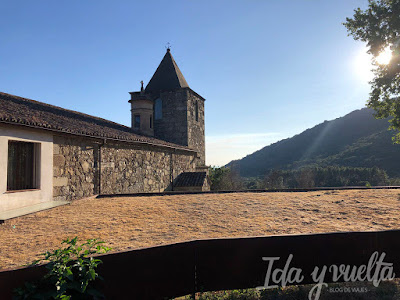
(168, 46)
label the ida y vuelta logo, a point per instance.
(375, 271)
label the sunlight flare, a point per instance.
(362, 65)
(384, 57)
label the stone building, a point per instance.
(49, 153)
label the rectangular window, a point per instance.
(151, 122)
(137, 122)
(196, 110)
(158, 109)
(22, 166)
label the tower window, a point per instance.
(137, 122)
(151, 122)
(158, 109)
(196, 110)
(22, 166)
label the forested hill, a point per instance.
(355, 140)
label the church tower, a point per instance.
(177, 114)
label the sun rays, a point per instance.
(384, 57)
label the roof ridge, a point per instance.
(177, 72)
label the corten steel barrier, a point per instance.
(218, 264)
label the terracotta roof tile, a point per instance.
(27, 112)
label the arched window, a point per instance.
(158, 109)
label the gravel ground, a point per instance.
(135, 222)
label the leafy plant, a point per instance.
(72, 271)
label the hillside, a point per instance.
(355, 140)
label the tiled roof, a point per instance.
(27, 112)
(187, 179)
(167, 77)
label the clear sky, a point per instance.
(268, 69)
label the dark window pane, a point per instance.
(158, 109)
(196, 108)
(20, 170)
(137, 121)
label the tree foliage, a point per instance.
(332, 176)
(379, 27)
(225, 179)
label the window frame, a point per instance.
(34, 172)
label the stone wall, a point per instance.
(125, 168)
(172, 127)
(196, 128)
(178, 124)
(129, 170)
(74, 172)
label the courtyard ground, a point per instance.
(133, 222)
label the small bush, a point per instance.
(72, 272)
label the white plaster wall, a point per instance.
(14, 200)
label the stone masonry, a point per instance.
(172, 127)
(74, 172)
(178, 124)
(129, 170)
(125, 167)
(196, 128)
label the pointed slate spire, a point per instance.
(167, 76)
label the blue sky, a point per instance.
(269, 69)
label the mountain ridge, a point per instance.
(354, 140)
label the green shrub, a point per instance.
(72, 272)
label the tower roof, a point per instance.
(167, 76)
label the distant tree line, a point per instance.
(333, 176)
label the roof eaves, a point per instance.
(177, 147)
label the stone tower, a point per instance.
(177, 114)
(142, 112)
